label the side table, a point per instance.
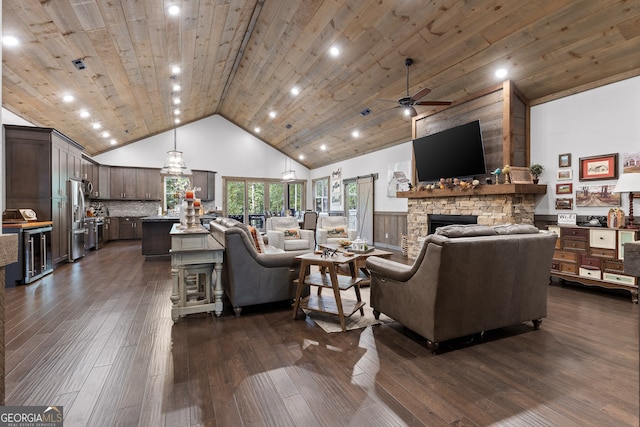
(195, 257)
(328, 278)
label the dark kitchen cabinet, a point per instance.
(103, 189)
(130, 228)
(148, 184)
(111, 228)
(39, 161)
(206, 181)
(123, 183)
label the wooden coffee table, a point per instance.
(361, 260)
(328, 277)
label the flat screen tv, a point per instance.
(453, 153)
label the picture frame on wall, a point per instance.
(564, 203)
(564, 174)
(600, 167)
(593, 196)
(565, 188)
(564, 160)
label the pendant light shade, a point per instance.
(288, 174)
(174, 163)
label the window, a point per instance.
(249, 199)
(321, 194)
(173, 187)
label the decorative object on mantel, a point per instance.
(520, 175)
(629, 183)
(506, 171)
(536, 170)
(497, 173)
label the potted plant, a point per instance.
(536, 170)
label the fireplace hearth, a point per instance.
(436, 221)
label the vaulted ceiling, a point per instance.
(241, 58)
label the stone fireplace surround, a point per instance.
(490, 209)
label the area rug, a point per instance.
(331, 323)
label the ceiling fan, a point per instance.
(407, 103)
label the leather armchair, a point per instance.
(276, 235)
(325, 223)
(255, 278)
(467, 280)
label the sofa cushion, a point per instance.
(296, 245)
(290, 233)
(465, 230)
(473, 230)
(336, 232)
(256, 238)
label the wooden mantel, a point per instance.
(480, 190)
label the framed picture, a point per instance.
(564, 204)
(564, 160)
(588, 196)
(564, 174)
(599, 167)
(520, 175)
(564, 188)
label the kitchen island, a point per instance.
(156, 239)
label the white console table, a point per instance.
(196, 260)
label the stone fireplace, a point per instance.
(491, 205)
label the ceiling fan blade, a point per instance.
(421, 94)
(433, 103)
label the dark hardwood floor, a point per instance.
(96, 336)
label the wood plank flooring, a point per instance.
(96, 336)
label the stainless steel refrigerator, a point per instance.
(76, 220)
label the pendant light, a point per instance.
(174, 163)
(288, 174)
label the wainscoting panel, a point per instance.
(389, 228)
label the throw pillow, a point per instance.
(336, 232)
(254, 234)
(290, 233)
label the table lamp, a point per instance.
(629, 183)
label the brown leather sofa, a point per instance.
(467, 279)
(250, 277)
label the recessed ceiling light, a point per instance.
(97, 125)
(323, 147)
(176, 101)
(176, 121)
(355, 134)
(174, 10)
(295, 91)
(301, 156)
(501, 73)
(84, 114)
(257, 130)
(272, 114)
(114, 142)
(176, 112)
(175, 69)
(10, 41)
(334, 51)
(67, 98)
(176, 88)
(105, 134)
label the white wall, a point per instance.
(213, 144)
(377, 162)
(599, 121)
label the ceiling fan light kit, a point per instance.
(407, 103)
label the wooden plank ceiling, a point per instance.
(240, 59)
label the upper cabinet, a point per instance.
(206, 181)
(135, 183)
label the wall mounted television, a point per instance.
(453, 153)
